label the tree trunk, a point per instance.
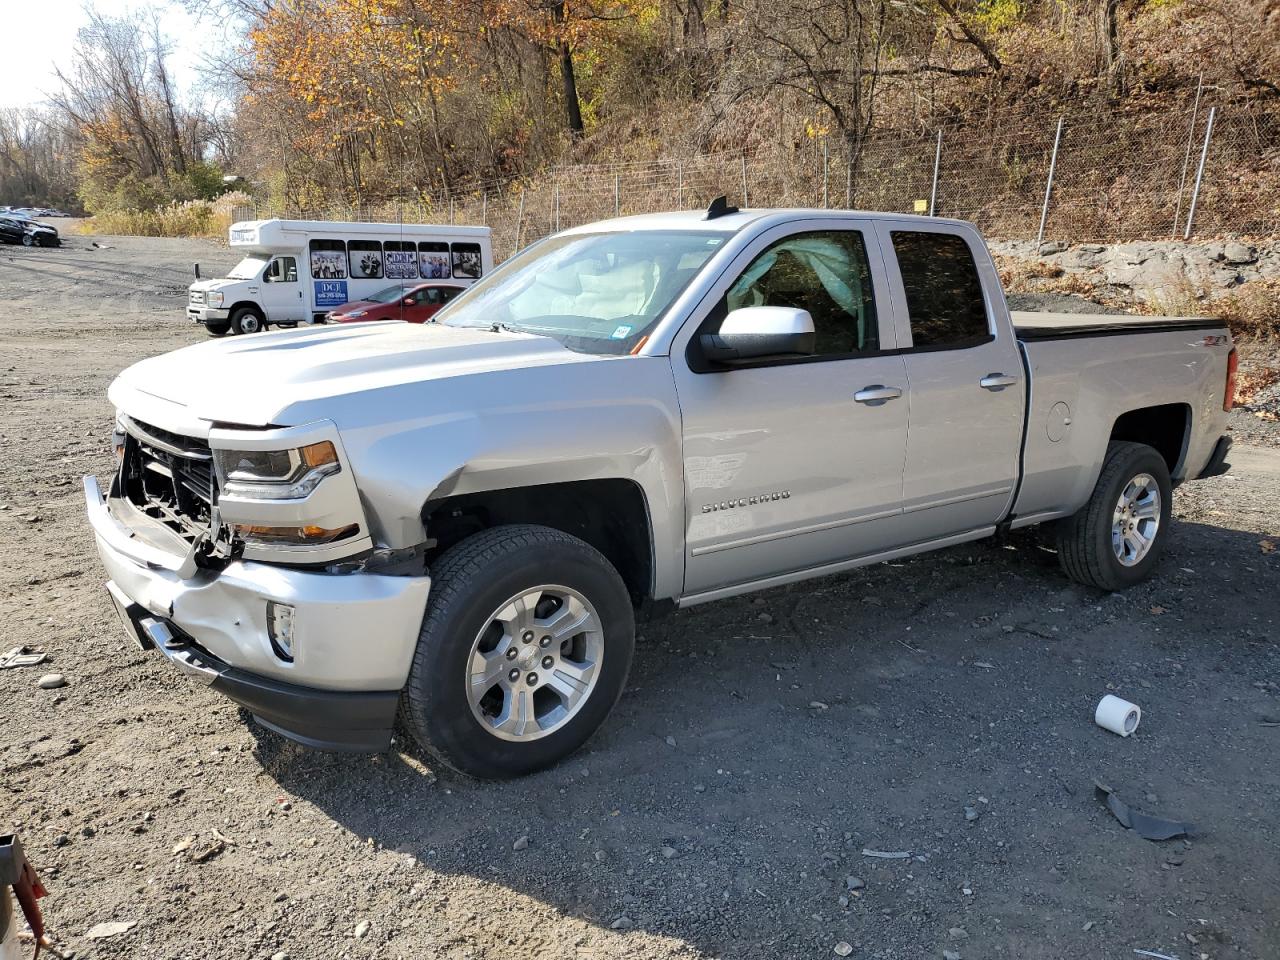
(1112, 58)
(572, 107)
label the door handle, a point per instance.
(995, 382)
(877, 394)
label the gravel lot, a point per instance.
(762, 744)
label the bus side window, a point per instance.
(328, 260)
(466, 260)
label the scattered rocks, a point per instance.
(950, 955)
(362, 929)
(522, 843)
(971, 814)
(958, 933)
(622, 923)
(668, 852)
(52, 681)
(854, 883)
(842, 949)
(671, 741)
(207, 850)
(280, 955)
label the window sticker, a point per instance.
(622, 332)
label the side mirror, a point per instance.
(749, 333)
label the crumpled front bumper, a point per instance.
(354, 633)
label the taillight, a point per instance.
(1229, 397)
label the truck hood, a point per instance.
(292, 376)
(215, 283)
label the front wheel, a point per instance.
(524, 650)
(246, 320)
(1115, 539)
(28, 240)
(218, 329)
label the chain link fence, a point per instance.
(1104, 177)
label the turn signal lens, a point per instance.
(300, 536)
(318, 454)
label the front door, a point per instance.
(282, 294)
(968, 389)
(795, 462)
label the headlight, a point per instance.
(213, 298)
(277, 474)
(355, 313)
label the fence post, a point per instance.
(1186, 159)
(744, 180)
(826, 191)
(555, 202)
(937, 159)
(1195, 191)
(451, 210)
(484, 207)
(1048, 187)
(617, 201)
(679, 185)
(519, 220)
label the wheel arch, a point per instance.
(610, 514)
(1165, 427)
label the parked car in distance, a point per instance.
(458, 523)
(29, 233)
(413, 304)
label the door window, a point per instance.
(400, 259)
(826, 273)
(944, 293)
(328, 260)
(281, 270)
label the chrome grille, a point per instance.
(197, 296)
(168, 477)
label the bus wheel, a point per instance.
(246, 320)
(218, 329)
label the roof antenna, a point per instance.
(719, 208)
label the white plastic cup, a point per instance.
(1117, 715)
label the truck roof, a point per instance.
(733, 222)
(273, 232)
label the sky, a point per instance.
(39, 34)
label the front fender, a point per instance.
(612, 418)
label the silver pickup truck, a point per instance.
(453, 527)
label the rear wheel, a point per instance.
(247, 320)
(1115, 539)
(524, 650)
(218, 329)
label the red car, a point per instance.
(412, 303)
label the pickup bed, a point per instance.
(455, 526)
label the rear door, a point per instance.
(794, 462)
(965, 372)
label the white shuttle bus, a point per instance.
(296, 271)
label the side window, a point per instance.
(328, 259)
(431, 295)
(466, 260)
(281, 270)
(944, 294)
(448, 293)
(826, 273)
(400, 259)
(433, 260)
(366, 258)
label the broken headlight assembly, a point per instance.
(276, 474)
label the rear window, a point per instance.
(433, 260)
(328, 259)
(366, 258)
(944, 295)
(466, 260)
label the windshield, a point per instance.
(388, 295)
(596, 292)
(247, 269)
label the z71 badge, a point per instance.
(746, 501)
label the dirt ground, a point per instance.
(724, 809)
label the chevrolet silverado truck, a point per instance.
(451, 529)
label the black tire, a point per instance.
(468, 583)
(247, 320)
(1085, 539)
(28, 240)
(287, 326)
(218, 329)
